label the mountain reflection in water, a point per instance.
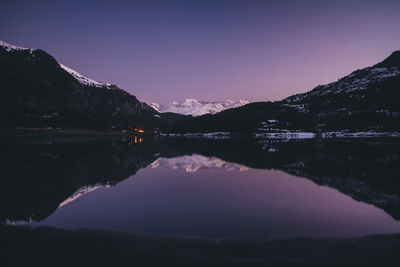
(205, 187)
(196, 162)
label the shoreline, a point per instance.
(50, 132)
(47, 246)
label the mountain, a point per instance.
(197, 108)
(39, 92)
(365, 102)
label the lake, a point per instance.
(204, 187)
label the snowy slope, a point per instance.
(358, 80)
(10, 47)
(82, 79)
(197, 108)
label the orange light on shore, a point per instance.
(140, 131)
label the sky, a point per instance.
(209, 50)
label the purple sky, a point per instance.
(209, 50)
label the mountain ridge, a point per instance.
(195, 107)
(366, 100)
(38, 91)
(391, 61)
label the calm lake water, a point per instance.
(211, 188)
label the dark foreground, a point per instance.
(55, 247)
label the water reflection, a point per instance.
(37, 177)
(134, 139)
(195, 162)
(81, 191)
(230, 175)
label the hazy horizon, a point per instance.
(162, 51)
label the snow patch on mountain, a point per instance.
(10, 47)
(79, 77)
(197, 108)
(83, 79)
(356, 81)
(195, 162)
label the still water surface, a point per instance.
(188, 193)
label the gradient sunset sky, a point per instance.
(208, 50)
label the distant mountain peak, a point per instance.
(195, 107)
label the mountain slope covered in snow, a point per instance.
(197, 108)
(82, 79)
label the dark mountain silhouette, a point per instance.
(365, 100)
(37, 91)
(392, 61)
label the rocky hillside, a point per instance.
(365, 101)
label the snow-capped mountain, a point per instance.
(197, 108)
(363, 103)
(39, 92)
(358, 80)
(79, 77)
